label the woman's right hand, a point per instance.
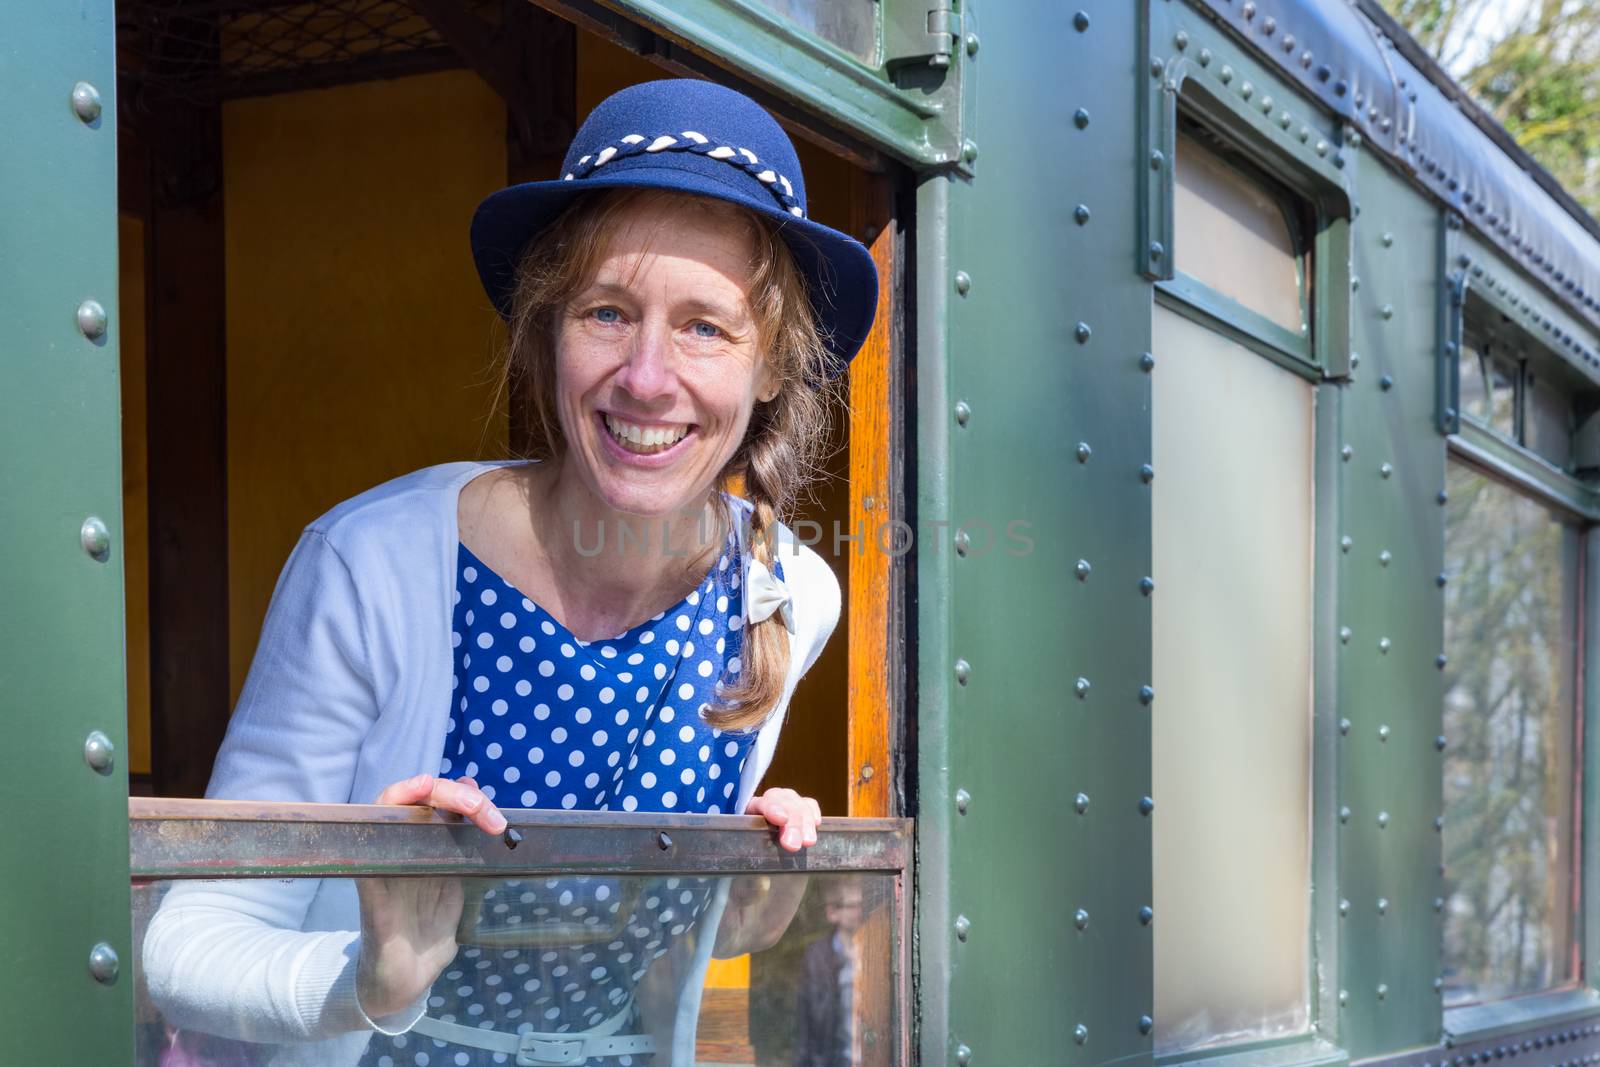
(408, 925)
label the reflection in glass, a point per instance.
(1511, 610)
(604, 970)
(1501, 373)
(1232, 532)
(1234, 235)
(1474, 386)
(850, 24)
(1549, 421)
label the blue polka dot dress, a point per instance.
(541, 719)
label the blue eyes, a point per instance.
(610, 316)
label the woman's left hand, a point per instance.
(795, 816)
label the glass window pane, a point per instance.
(1232, 234)
(1511, 611)
(850, 24)
(1233, 513)
(1474, 386)
(702, 969)
(1549, 421)
(1501, 373)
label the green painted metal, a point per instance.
(65, 853)
(1589, 716)
(914, 112)
(1526, 470)
(1016, 737)
(1389, 848)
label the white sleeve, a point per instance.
(229, 957)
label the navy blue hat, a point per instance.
(691, 137)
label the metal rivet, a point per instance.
(1383, 991)
(1386, 469)
(963, 798)
(1355, 283)
(1156, 66)
(1082, 687)
(1181, 40)
(963, 412)
(1157, 250)
(1249, 10)
(963, 282)
(867, 772)
(963, 927)
(1147, 473)
(1344, 814)
(1266, 105)
(1438, 985)
(1387, 311)
(1441, 580)
(969, 151)
(1080, 803)
(1438, 823)
(103, 964)
(1383, 733)
(1346, 452)
(1080, 214)
(963, 542)
(98, 752)
(86, 102)
(1147, 362)
(1247, 90)
(1439, 742)
(1384, 645)
(1146, 1024)
(95, 538)
(1147, 585)
(1344, 635)
(963, 671)
(1082, 919)
(1441, 661)
(1344, 908)
(1322, 148)
(1080, 21)
(1387, 239)
(1205, 57)
(1080, 1034)
(664, 840)
(963, 1055)
(92, 320)
(1084, 451)
(1146, 694)
(1345, 543)
(972, 44)
(1082, 569)
(1082, 332)
(1386, 383)
(1146, 915)
(1305, 134)
(1157, 158)
(1284, 120)
(1344, 727)
(1383, 820)
(1080, 118)
(1442, 498)
(1355, 360)
(1384, 557)
(1344, 997)
(1226, 74)
(1383, 905)
(1146, 805)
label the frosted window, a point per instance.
(1511, 624)
(1548, 421)
(1232, 528)
(1233, 235)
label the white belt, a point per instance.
(534, 1049)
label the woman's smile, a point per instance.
(641, 439)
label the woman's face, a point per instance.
(658, 365)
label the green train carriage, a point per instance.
(1213, 505)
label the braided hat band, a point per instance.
(635, 144)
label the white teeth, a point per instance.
(644, 439)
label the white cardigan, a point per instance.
(349, 692)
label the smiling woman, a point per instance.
(454, 639)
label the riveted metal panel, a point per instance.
(1034, 408)
(65, 856)
(1392, 627)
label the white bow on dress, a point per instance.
(765, 593)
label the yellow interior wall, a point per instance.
(135, 489)
(360, 345)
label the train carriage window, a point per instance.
(1511, 626)
(1236, 234)
(1233, 513)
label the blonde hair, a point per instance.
(784, 444)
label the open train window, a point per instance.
(1234, 406)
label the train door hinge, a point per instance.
(920, 31)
